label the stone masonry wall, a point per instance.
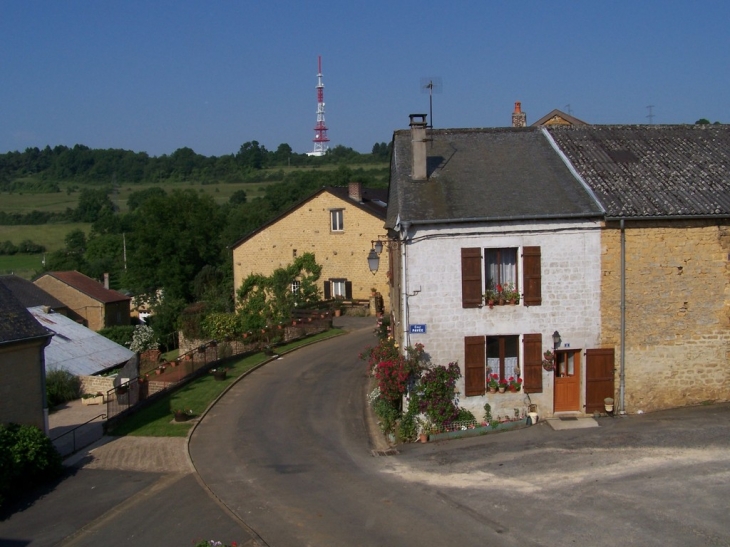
(677, 312)
(307, 229)
(80, 306)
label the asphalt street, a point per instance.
(286, 458)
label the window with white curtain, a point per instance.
(503, 355)
(500, 267)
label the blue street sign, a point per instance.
(418, 329)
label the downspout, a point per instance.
(404, 286)
(622, 374)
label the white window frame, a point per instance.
(338, 288)
(337, 220)
(295, 286)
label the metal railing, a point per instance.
(77, 442)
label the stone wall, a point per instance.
(94, 384)
(306, 229)
(677, 312)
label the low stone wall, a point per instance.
(94, 384)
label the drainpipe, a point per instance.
(622, 375)
(404, 286)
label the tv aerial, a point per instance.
(431, 85)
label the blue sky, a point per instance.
(157, 76)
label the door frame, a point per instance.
(572, 403)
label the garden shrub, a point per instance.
(121, 334)
(27, 459)
(61, 386)
(388, 413)
(436, 394)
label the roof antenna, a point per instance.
(651, 114)
(430, 85)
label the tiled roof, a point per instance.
(16, 323)
(485, 174)
(76, 348)
(572, 120)
(89, 287)
(30, 294)
(652, 170)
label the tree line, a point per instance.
(80, 163)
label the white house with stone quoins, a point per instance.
(464, 227)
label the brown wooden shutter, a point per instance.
(474, 364)
(327, 289)
(599, 378)
(532, 276)
(348, 290)
(532, 370)
(471, 277)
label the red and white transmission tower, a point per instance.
(320, 130)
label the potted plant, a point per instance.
(183, 415)
(219, 374)
(515, 384)
(548, 361)
(493, 383)
(92, 398)
(144, 341)
(503, 384)
(490, 297)
(510, 293)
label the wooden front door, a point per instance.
(567, 381)
(599, 378)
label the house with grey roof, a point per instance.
(477, 216)
(665, 255)
(30, 295)
(22, 368)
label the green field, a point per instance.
(50, 235)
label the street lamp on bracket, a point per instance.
(377, 246)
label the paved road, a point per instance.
(299, 471)
(287, 452)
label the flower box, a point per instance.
(96, 400)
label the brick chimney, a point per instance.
(519, 118)
(354, 190)
(418, 145)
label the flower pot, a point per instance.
(181, 416)
(98, 400)
(423, 438)
(219, 374)
(492, 390)
(501, 389)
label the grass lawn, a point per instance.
(156, 420)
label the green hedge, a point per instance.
(27, 459)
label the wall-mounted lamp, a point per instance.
(374, 255)
(373, 261)
(556, 340)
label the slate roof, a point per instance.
(652, 171)
(485, 175)
(16, 322)
(76, 348)
(374, 201)
(89, 287)
(30, 294)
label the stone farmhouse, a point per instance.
(559, 213)
(337, 225)
(88, 301)
(665, 256)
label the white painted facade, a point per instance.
(570, 286)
